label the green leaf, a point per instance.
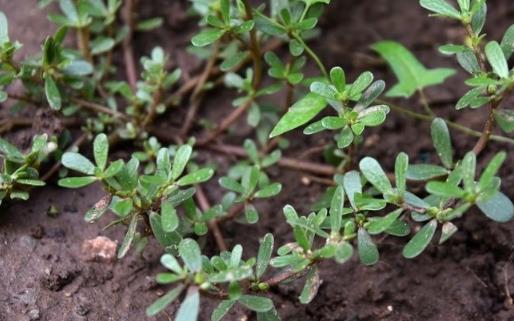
(469, 164)
(31, 182)
(101, 45)
(372, 93)
(171, 263)
(411, 74)
(398, 228)
(336, 209)
(373, 116)
(190, 307)
(505, 119)
(360, 84)
(196, 177)
(300, 113)
(78, 163)
(11, 152)
(76, 182)
(251, 150)
(494, 54)
(400, 171)
(442, 142)
(98, 209)
(129, 237)
(4, 29)
(311, 287)
(122, 207)
(444, 189)
(420, 241)
(190, 252)
(507, 42)
(264, 255)
(251, 214)
(374, 173)
(368, 252)
(169, 218)
(490, 171)
(464, 4)
(181, 196)
(78, 68)
(271, 315)
(149, 24)
(101, 150)
(222, 309)
(52, 93)
(180, 160)
(344, 252)
(161, 303)
(269, 191)
(441, 7)
(114, 168)
(447, 231)
(233, 61)
(256, 303)
(231, 184)
(468, 61)
(338, 78)
(165, 239)
(480, 12)
(380, 224)
(423, 172)
(498, 208)
(69, 10)
(352, 185)
(207, 37)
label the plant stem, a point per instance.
(227, 122)
(196, 97)
(454, 125)
(254, 47)
(488, 129)
(234, 212)
(424, 102)
(320, 169)
(190, 85)
(204, 204)
(152, 113)
(313, 56)
(98, 108)
(128, 52)
(83, 43)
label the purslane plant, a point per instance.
(20, 171)
(165, 197)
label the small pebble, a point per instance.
(100, 248)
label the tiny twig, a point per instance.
(254, 47)
(488, 129)
(320, 169)
(424, 102)
(457, 126)
(213, 224)
(128, 52)
(196, 97)
(83, 36)
(226, 123)
(234, 212)
(98, 108)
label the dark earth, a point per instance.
(44, 277)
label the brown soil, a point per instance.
(44, 277)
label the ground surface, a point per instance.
(44, 277)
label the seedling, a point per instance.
(159, 191)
